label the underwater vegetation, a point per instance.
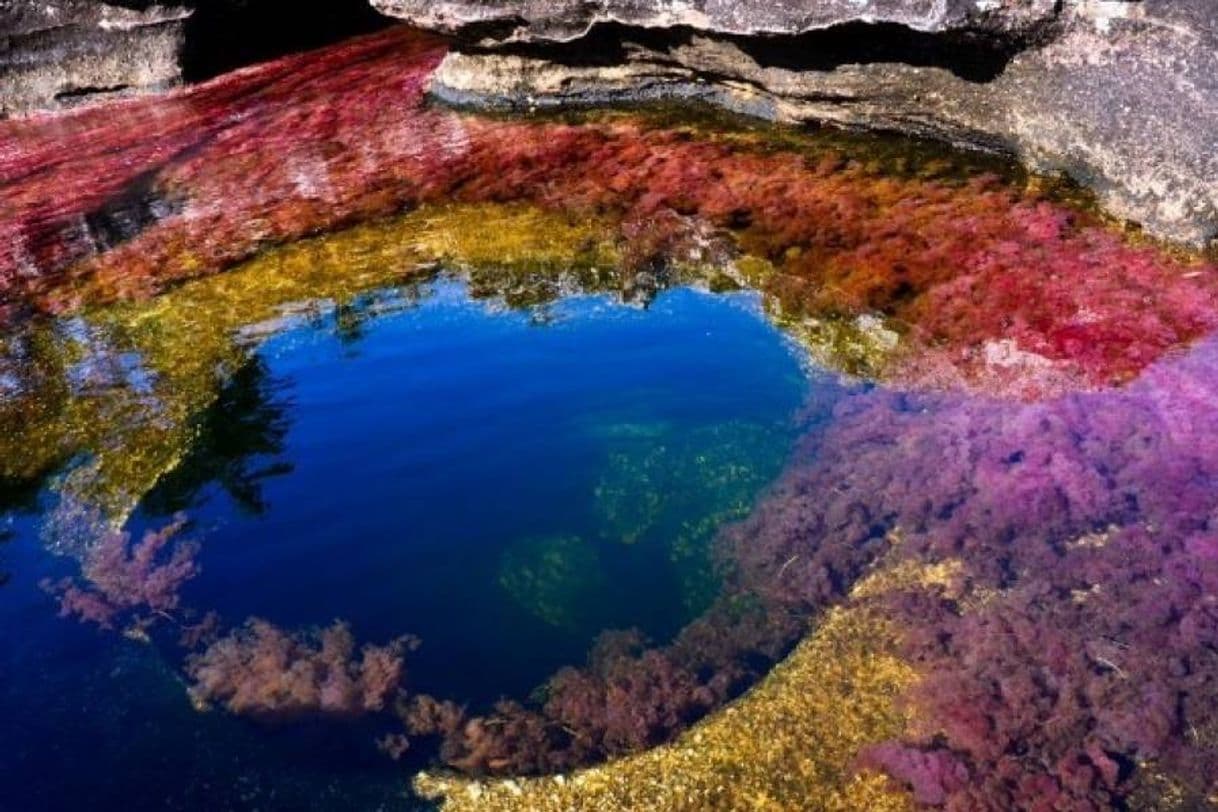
(548, 576)
(938, 256)
(1043, 433)
(1059, 646)
(791, 742)
(652, 483)
(260, 670)
(629, 696)
(1073, 656)
(124, 580)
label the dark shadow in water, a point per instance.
(21, 495)
(6, 535)
(245, 424)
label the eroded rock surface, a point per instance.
(533, 20)
(56, 53)
(1122, 96)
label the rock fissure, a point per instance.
(974, 56)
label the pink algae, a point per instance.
(262, 671)
(124, 580)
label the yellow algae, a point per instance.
(1159, 792)
(115, 392)
(515, 235)
(860, 345)
(788, 744)
(122, 386)
(911, 574)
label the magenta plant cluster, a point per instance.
(262, 671)
(125, 582)
(1071, 664)
(1077, 657)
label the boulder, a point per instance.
(1121, 96)
(57, 53)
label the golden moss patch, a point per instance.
(121, 386)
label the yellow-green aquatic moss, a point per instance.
(517, 236)
(174, 352)
(553, 578)
(711, 475)
(1162, 793)
(859, 345)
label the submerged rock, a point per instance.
(59, 52)
(1121, 96)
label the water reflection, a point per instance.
(103, 404)
(1024, 514)
(245, 422)
(213, 410)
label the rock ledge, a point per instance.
(1121, 96)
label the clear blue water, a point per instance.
(502, 484)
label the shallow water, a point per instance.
(993, 547)
(502, 484)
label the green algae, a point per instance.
(553, 578)
(654, 482)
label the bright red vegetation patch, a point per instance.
(994, 289)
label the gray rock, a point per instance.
(58, 53)
(1122, 96)
(564, 20)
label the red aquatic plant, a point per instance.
(1058, 688)
(120, 579)
(992, 287)
(1080, 642)
(628, 696)
(262, 671)
(932, 776)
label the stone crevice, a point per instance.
(972, 55)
